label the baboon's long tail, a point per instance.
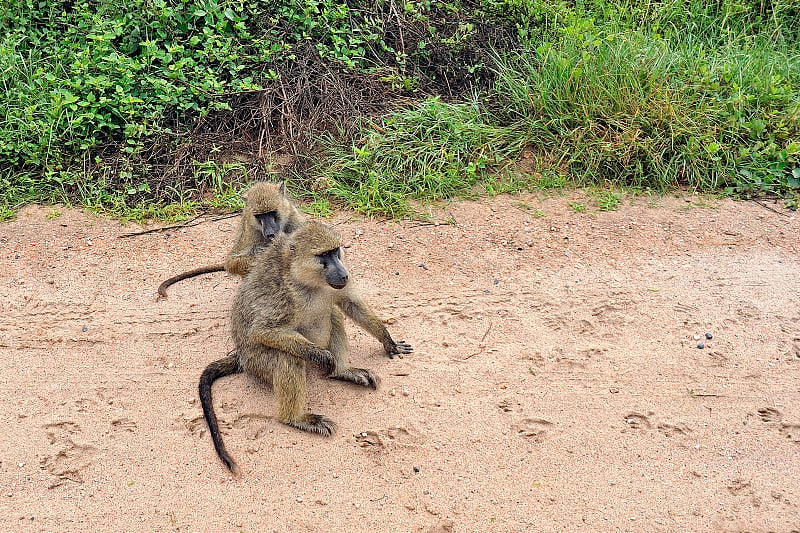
(223, 367)
(162, 289)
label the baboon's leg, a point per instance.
(340, 350)
(289, 383)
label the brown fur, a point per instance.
(260, 198)
(285, 315)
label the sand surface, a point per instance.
(556, 384)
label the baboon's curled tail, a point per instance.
(162, 289)
(223, 367)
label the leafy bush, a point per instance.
(118, 103)
(603, 103)
(120, 98)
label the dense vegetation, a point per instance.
(158, 106)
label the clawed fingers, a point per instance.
(371, 380)
(403, 347)
(399, 347)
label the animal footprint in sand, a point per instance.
(196, 426)
(795, 350)
(672, 430)
(255, 425)
(769, 414)
(123, 424)
(60, 431)
(791, 431)
(534, 428)
(637, 421)
(394, 437)
(69, 463)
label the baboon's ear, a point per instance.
(283, 188)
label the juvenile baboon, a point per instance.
(267, 212)
(289, 311)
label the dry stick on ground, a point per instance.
(188, 224)
(765, 206)
(479, 343)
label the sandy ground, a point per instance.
(556, 383)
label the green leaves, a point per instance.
(644, 94)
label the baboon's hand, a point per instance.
(399, 347)
(324, 359)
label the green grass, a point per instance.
(431, 151)
(599, 106)
(625, 108)
(613, 96)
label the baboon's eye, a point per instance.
(327, 257)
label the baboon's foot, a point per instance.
(314, 424)
(359, 376)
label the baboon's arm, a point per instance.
(293, 343)
(362, 315)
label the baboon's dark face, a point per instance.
(270, 224)
(333, 268)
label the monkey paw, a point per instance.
(314, 424)
(400, 347)
(359, 376)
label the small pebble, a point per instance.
(416, 470)
(696, 337)
(700, 345)
(406, 392)
(709, 336)
(363, 434)
(299, 500)
(84, 329)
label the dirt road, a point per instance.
(557, 384)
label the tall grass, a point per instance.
(600, 104)
(434, 150)
(653, 94)
(633, 109)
